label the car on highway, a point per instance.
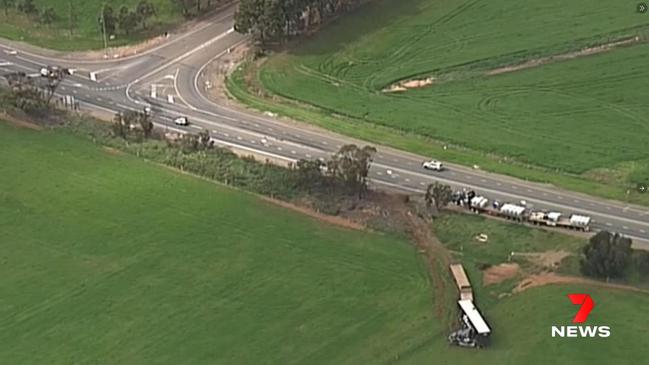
(181, 121)
(433, 165)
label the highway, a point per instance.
(171, 79)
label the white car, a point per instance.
(433, 165)
(181, 121)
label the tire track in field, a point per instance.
(393, 59)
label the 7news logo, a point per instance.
(586, 304)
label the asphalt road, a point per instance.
(170, 78)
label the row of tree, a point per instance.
(46, 15)
(33, 94)
(126, 19)
(269, 21)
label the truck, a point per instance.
(519, 212)
(462, 281)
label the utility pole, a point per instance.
(103, 26)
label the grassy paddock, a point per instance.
(113, 260)
(87, 34)
(110, 259)
(579, 124)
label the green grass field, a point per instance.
(87, 34)
(109, 259)
(583, 118)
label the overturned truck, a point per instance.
(473, 331)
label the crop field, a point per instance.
(107, 259)
(87, 32)
(583, 117)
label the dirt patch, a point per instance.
(549, 260)
(213, 77)
(499, 273)
(338, 221)
(20, 123)
(534, 281)
(562, 57)
(112, 151)
(410, 84)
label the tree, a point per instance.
(438, 195)
(310, 174)
(48, 16)
(352, 165)
(127, 20)
(54, 78)
(108, 17)
(6, 4)
(145, 10)
(185, 5)
(120, 125)
(146, 124)
(642, 262)
(24, 94)
(122, 14)
(28, 7)
(205, 142)
(606, 255)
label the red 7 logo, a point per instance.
(586, 303)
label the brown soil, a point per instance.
(534, 281)
(112, 151)
(548, 260)
(20, 123)
(566, 56)
(500, 273)
(338, 221)
(410, 84)
(217, 71)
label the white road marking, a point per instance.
(608, 224)
(407, 180)
(279, 148)
(422, 183)
(239, 138)
(195, 126)
(293, 152)
(625, 227)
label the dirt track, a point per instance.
(534, 281)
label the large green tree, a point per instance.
(606, 255)
(351, 165)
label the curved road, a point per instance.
(170, 79)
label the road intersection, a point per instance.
(170, 78)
